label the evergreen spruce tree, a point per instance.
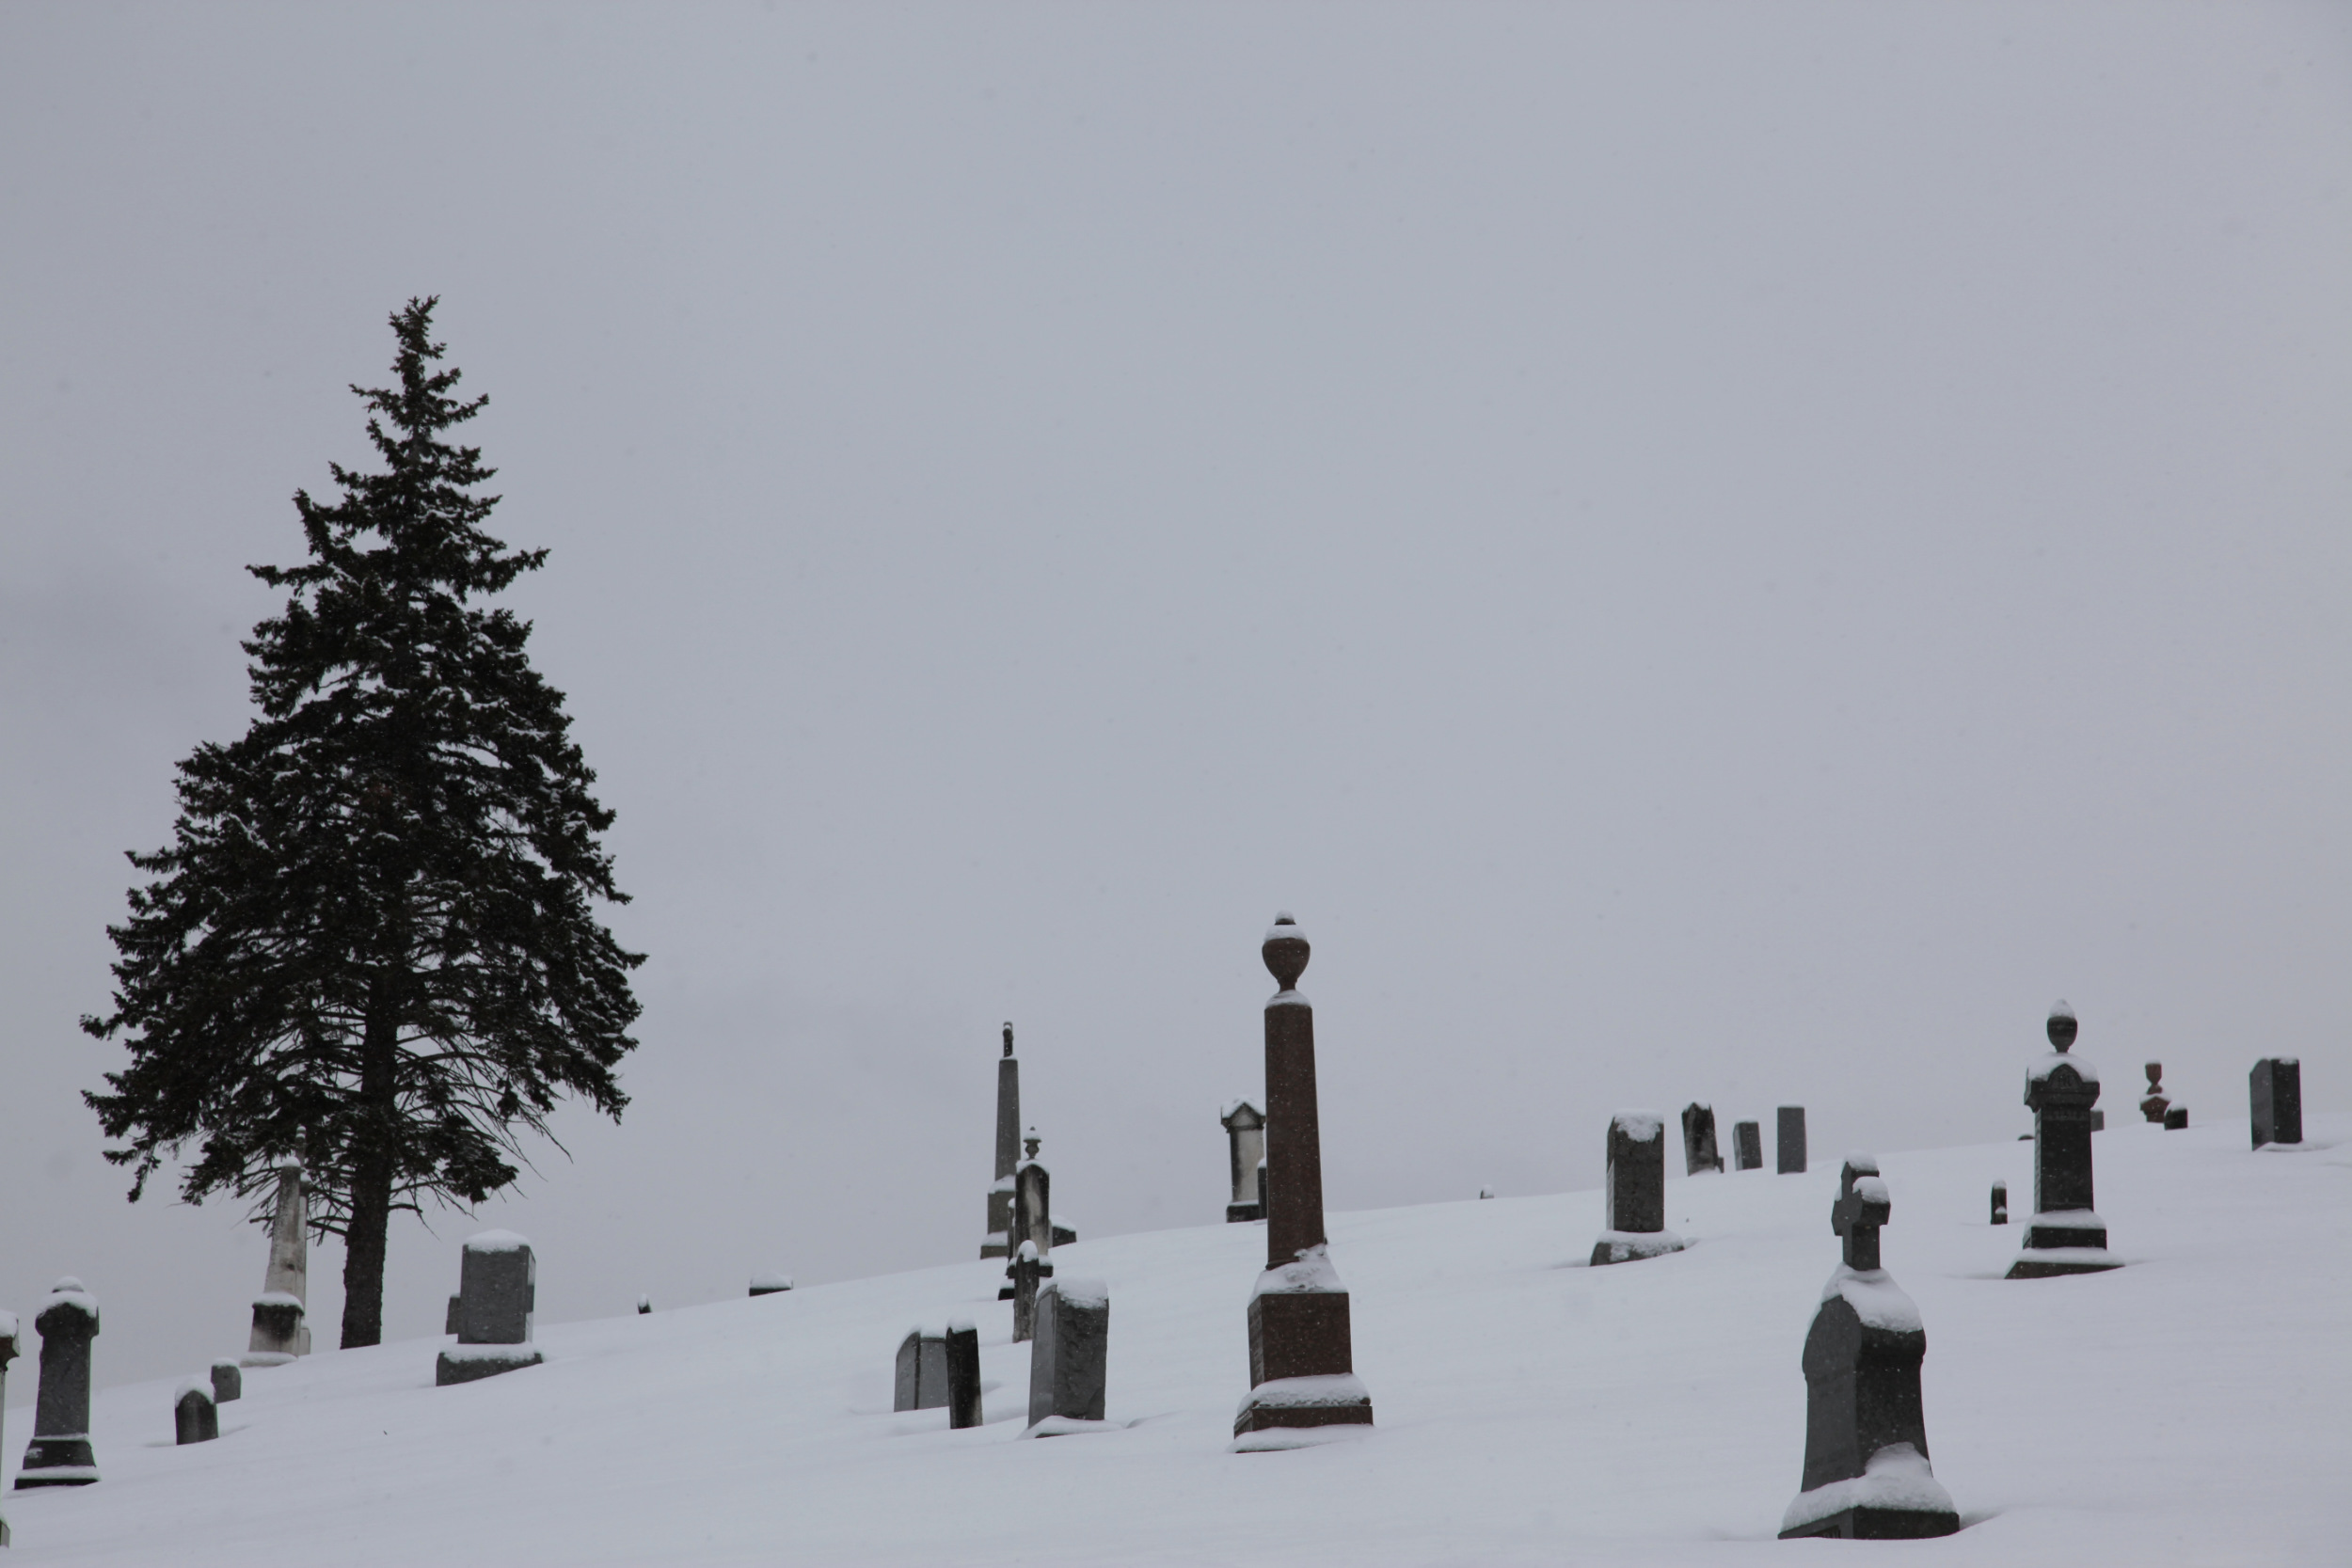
(371, 944)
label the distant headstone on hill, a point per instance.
(60, 1454)
(645, 1305)
(2000, 1203)
(1633, 1191)
(770, 1282)
(2152, 1106)
(1069, 1362)
(1747, 1146)
(1244, 1144)
(2275, 1089)
(1302, 1369)
(228, 1382)
(1789, 1134)
(2065, 1235)
(195, 1418)
(498, 1292)
(2176, 1119)
(280, 1331)
(1698, 1139)
(1866, 1441)
(963, 1374)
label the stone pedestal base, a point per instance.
(466, 1363)
(1878, 1524)
(1291, 1403)
(2068, 1241)
(1301, 1365)
(2049, 1262)
(1241, 1213)
(1632, 1246)
(66, 1461)
(1896, 1498)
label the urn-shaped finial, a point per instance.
(2061, 1026)
(1285, 951)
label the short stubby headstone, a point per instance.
(1245, 1143)
(1866, 1441)
(1698, 1139)
(963, 1374)
(2066, 1234)
(498, 1290)
(920, 1381)
(2153, 1105)
(195, 1418)
(2175, 1119)
(770, 1283)
(1070, 1360)
(2275, 1089)
(1790, 1135)
(60, 1453)
(2000, 1203)
(1747, 1144)
(228, 1382)
(1633, 1191)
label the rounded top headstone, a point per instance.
(2061, 1026)
(1285, 951)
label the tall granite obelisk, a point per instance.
(1008, 1153)
(1302, 1373)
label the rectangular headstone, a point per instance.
(906, 1388)
(2176, 1119)
(1070, 1355)
(1747, 1143)
(1634, 1184)
(2276, 1088)
(930, 1372)
(498, 1290)
(1791, 1140)
(1698, 1139)
(963, 1374)
(228, 1382)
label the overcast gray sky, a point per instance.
(1726, 551)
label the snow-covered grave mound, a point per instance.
(2194, 1406)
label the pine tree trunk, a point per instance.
(371, 1183)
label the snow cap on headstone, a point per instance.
(495, 1241)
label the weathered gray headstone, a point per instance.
(1698, 1139)
(60, 1453)
(1866, 1439)
(1633, 1191)
(228, 1382)
(1747, 1144)
(1790, 1135)
(497, 1291)
(1303, 1372)
(2065, 1235)
(280, 1331)
(963, 1374)
(2176, 1119)
(448, 1318)
(999, 1241)
(194, 1416)
(920, 1376)
(1244, 1142)
(2274, 1091)
(1070, 1360)
(2000, 1203)
(770, 1283)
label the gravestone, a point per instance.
(1633, 1191)
(1244, 1145)
(1747, 1146)
(448, 1318)
(770, 1283)
(999, 1241)
(8, 1352)
(1032, 1201)
(60, 1453)
(2152, 1106)
(1025, 1271)
(1485, 1192)
(1302, 1370)
(228, 1382)
(2276, 1089)
(1789, 1134)
(963, 1374)
(2175, 1119)
(921, 1374)
(194, 1416)
(2000, 1203)
(1698, 1139)
(1067, 1363)
(1866, 1440)
(2065, 1235)
(497, 1291)
(645, 1305)
(280, 1332)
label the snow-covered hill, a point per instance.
(2194, 1407)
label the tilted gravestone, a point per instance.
(2000, 1203)
(1070, 1360)
(60, 1453)
(1302, 1368)
(1789, 1134)
(195, 1418)
(228, 1382)
(1866, 1439)
(963, 1374)
(1244, 1145)
(1633, 1191)
(280, 1331)
(1698, 1139)
(1747, 1146)
(2275, 1089)
(2065, 1235)
(1025, 1271)
(498, 1290)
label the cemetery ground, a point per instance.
(2194, 1406)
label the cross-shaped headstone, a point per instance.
(1862, 1207)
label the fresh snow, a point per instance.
(495, 1241)
(2188, 1408)
(1310, 1273)
(2054, 1060)
(1896, 1475)
(1877, 1300)
(1640, 1125)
